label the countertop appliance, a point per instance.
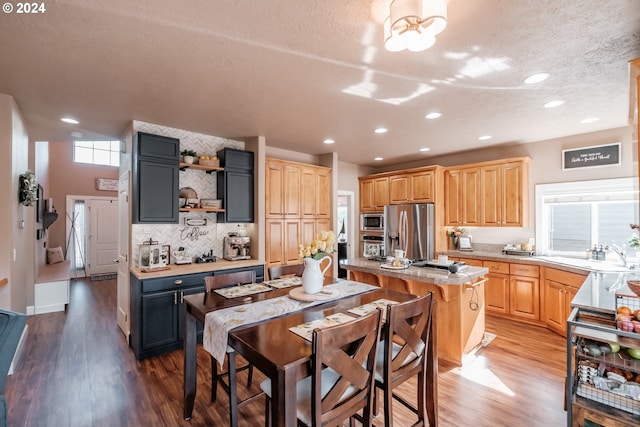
(411, 228)
(372, 221)
(236, 248)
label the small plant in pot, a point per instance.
(188, 156)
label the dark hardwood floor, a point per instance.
(77, 370)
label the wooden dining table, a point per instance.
(278, 353)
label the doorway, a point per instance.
(91, 242)
(346, 226)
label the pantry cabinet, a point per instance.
(559, 288)
(491, 194)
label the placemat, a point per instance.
(373, 305)
(305, 330)
(285, 282)
(242, 290)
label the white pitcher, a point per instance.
(312, 276)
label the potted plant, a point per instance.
(189, 156)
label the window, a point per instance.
(97, 152)
(572, 217)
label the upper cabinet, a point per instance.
(488, 194)
(374, 193)
(235, 185)
(155, 179)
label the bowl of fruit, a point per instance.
(628, 320)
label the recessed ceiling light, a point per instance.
(590, 120)
(381, 130)
(485, 137)
(379, 158)
(70, 120)
(433, 115)
(425, 149)
(329, 141)
(536, 78)
(552, 104)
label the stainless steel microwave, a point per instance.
(372, 221)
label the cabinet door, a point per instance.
(555, 317)
(156, 192)
(291, 241)
(159, 319)
(399, 189)
(491, 195)
(471, 196)
(323, 225)
(366, 195)
(237, 193)
(307, 230)
(497, 293)
(308, 188)
(514, 192)
(422, 185)
(291, 196)
(274, 235)
(453, 197)
(323, 192)
(158, 147)
(275, 184)
(524, 297)
(381, 192)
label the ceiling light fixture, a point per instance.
(70, 120)
(536, 78)
(425, 149)
(381, 130)
(553, 104)
(485, 137)
(378, 158)
(433, 115)
(329, 141)
(414, 24)
(590, 120)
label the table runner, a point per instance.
(242, 290)
(218, 323)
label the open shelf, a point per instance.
(207, 169)
(201, 210)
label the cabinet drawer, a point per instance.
(524, 270)
(497, 266)
(471, 261)
(174, 282)
(570, 279)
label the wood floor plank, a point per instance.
(77, 370)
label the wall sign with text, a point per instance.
(599, 155)
(106, 184)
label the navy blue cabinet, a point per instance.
(155, 179)
(235, 185)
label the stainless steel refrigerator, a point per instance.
(410, 227)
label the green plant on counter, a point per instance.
(634, 242)
(188, 153)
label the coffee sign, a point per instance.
(599, 155)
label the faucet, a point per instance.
(618, 251)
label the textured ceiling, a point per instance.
(298, 72)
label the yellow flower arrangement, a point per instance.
(318, 248)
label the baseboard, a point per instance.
(19, 350)
(31, 310)
(50, 308)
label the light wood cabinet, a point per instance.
(559, 288)
(488, 194)
(374, 193)
(298, 205)
(399, 189)
(524, 291)
(497, 287)
(412, 187)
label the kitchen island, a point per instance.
(460, 313)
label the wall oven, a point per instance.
(372, 246)
(372, 221)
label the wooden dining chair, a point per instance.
(342, 374)
(211, 283)
(403, 355)
(278, 271)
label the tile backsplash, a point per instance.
(196, 240)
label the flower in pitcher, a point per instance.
(318, 248)
(455, 232)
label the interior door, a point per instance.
(103, 242)
(123, 254)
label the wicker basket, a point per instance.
(209, 162)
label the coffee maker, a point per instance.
(236, 248)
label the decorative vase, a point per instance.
(312, 276)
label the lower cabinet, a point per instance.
(157, 310)
(559, 288)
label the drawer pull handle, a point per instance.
(175, 298)
(178, 282)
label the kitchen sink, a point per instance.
(589, 264)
